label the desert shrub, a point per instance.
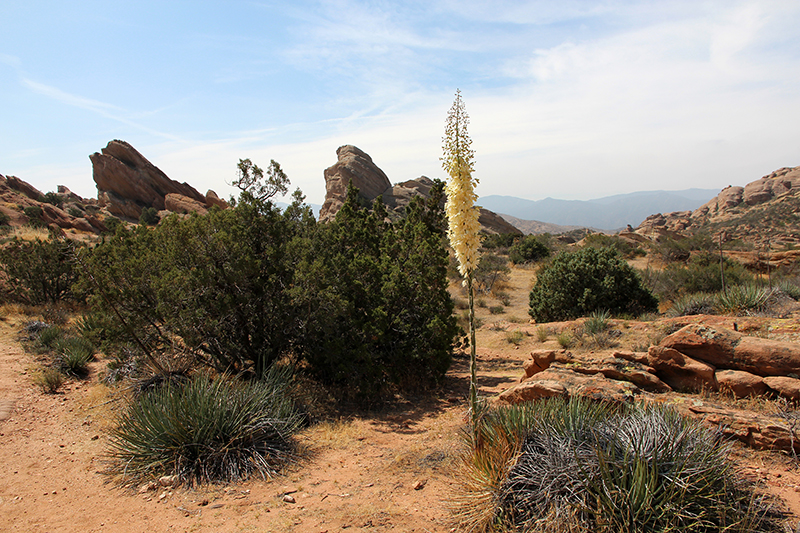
(205, 431)
(514, 337)
(49, 336)
(744, 299)
(4, 219)
(34, 214)
(597, 322)
(499, 241)
(529, 249)
(112, 223)
(574, 284)
(625, 248)
(75, 212)
(564, 339)
(491, 269)
(40, 272)
(497, 309)
(504, 298)
(680, 250)
(360, 301)
(559, 465)
(53, 198)
(49, 380)
(698, 303)
(149, 216)
(789, 288)
(73, 354)
(379, 310)
(542, 334)
(701, 274)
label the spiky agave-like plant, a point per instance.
(205, 430)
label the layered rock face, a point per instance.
(760, 212)
(127, 182)
(356, 166)
(74, 213)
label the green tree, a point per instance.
(528, 250)
(39, 272)
(575, 284)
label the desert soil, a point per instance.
(391, 470)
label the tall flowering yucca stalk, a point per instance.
(462, 215)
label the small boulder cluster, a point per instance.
(695, 358)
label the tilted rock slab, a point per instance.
(127, 182)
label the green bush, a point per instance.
(207, 430)
(560, 465)
(497, 309)
(701, 274)
(34, 214)
(529, 249)
(698, 303)
(625, 248)
(360, 302)
(597, 322)
(40, 272)
(744, 299)
(49, 336)
(574, 284)
(75, 212)
(149, 216)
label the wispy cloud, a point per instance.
(101, 108)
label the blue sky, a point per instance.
(567, 99)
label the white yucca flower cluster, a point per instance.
(462, 213)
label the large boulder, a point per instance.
(726, 349)
(127, 182)
(699, 341)
(354, 165)
(178, 203)
(680, 371)
(558, 380)
(741, 384)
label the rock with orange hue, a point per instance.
(785, 386)
(767, 357)
(213, 200)
(741, 384)
(177, 203)
(353, 165)
(680, 371)
(127, 182)
(712, 345)
(558, 380)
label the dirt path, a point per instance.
(390, 472)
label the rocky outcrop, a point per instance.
(354, 165)
(17, 194)
(761, 212)
(127, 182)
(731, 350)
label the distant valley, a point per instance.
(610, 213)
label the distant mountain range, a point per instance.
(609, 213)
